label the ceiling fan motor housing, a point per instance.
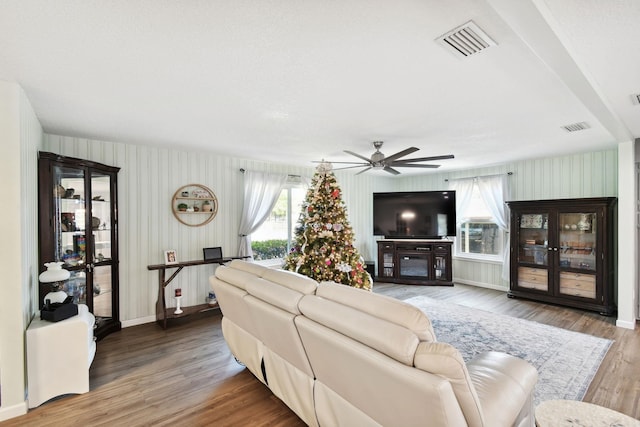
(377, 157)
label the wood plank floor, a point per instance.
(146, 376)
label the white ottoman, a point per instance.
(59, 355)
(571, 413)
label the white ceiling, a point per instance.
(294, 81)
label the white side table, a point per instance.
(59, 355)
(571, 413)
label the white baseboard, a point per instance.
(138, 321)
(625, 324)
(13, 411)
(481, 285)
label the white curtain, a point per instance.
(261, 192)
(464, 191)
(493, 190)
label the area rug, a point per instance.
(566, 361)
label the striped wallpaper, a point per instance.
(150, 175)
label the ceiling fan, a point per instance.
(380, 162)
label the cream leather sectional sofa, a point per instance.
(339, 356)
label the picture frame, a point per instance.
(170, 257)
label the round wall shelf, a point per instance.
(194, 205)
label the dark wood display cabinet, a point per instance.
(415, 262)
(78, 225)
(563, 252)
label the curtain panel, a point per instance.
(261, 192)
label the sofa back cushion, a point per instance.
(234, 276)
(249, 267)
(380, 306)
(386, 337)
(444, 360)
(291, 280)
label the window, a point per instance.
(479, 235)
(273, 238)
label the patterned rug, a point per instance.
(566, 361)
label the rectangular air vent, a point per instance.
(635, 99)
(466, 40)
(576, 127)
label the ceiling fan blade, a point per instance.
(358, 156)
(351, 167)
(413, 165)
(391, 170)
(426, 159)
(401, 154)
(348, 163)
(363, 170)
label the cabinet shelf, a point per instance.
(195, 198)
(188, 311)
(193, 212)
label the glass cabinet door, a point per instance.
(533, 252)
(534, 239)
(440, 267)
(577, 233)
(387, 264)
(578, 242)
(102, 257)
(69, 226)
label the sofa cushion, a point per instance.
(291, 280)
(446, 361)
(380, 306)
(249, 267)
(235, 277)
(276, 295)
(389, 338)
(503, 384)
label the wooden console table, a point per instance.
(161, 305)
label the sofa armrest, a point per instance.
(504, 385)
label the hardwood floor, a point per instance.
(146, 376)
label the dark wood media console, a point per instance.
(415, 262)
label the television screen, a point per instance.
(414, 215)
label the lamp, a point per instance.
(55, 275)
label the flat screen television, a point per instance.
(414, 215)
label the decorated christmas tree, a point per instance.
(324, 246)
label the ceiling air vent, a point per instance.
(576, 127)
(635, 99)
(466, 40)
